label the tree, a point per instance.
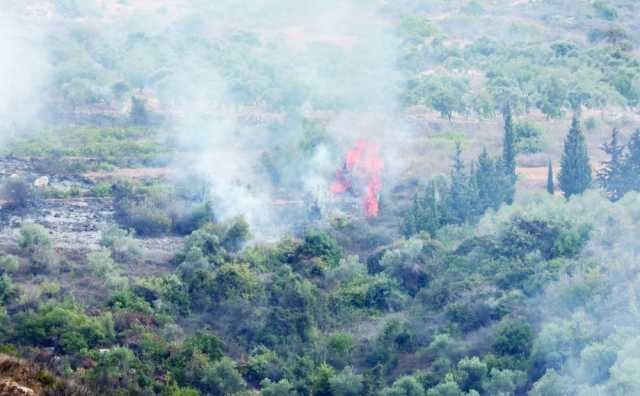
(631, 167)
(472, 373)
(551, 189)
(445, 94)
(611, 175)
(509, 154)
(138, 114)
(222, 378)
(575, 171)
(280, 388)
(424, 214)
(493, 186)
(508, 142)
(503, 382)
(346, 383)
(551, 384)
(460, 195)
(513, 338)
(8, 292)
(404, 386)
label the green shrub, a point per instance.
(101, 189)
(100, 263)
(322, 245)
(280, 388)
(146, 218)
(33, 237)
(264, 364)
(346, 383)
(8, 292)
(64, 327)
(221, 378)
(513, 338)
(528, 137)
(404, 386)
(35, 244)
(124, 248)
(9, 264)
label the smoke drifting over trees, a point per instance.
(328, 198)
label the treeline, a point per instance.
(490, 182)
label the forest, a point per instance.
(319, 198)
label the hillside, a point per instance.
(336, 198)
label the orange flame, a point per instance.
(362, 162)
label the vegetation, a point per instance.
(575, 169)
(182, 190)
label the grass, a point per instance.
(116, 146)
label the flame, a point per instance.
(362, 164)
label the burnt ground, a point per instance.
(74, 224)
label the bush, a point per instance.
(528, 137)
(513, 338)
(17, 193)
(100, 263)
(124, 248)
(264, 364)
(35, 244)
(64, 327)
(146, 218)
(222, 378)
(471, 373)
(346, 383)
(8, 292)
(280, 388)
(322, 245)
(405, 386)
(8, 264)
(32, 238)
(235, 281)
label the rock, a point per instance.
(42, 181)
(11, 388)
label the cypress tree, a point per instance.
(550, 185)
(575, 169)
(489, 183)
(611, 176)
(459, 197)
(423, 214)
(631, 166)
(509, 155)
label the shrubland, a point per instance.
(466, 284)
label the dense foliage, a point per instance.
(472, 282)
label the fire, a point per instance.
(362, 168)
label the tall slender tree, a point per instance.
(460, 195)
(490, 183)
(575, 171)
(424, 214)
(631, 166)
(611, 175)
(509, 154)
(550, 184)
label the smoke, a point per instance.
(264, 98)
(24, 68)
(588, 318)
(323, 77)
